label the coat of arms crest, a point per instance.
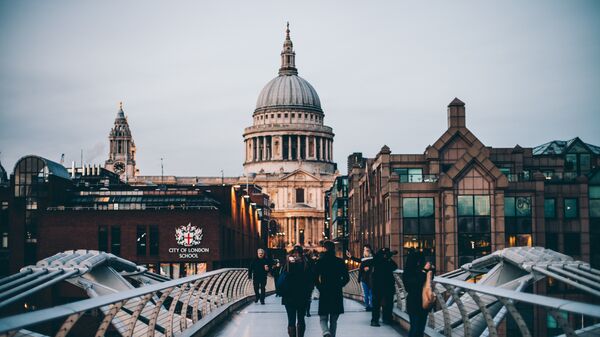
(188, 235)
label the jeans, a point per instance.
(368, 295)
(417, 324)
(259, 290)
(294, 313)
(332, 326)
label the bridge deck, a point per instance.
(270, 320)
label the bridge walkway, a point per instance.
(270, 320)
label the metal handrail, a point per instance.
(178, 291)
(458, 302)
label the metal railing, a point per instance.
(174, 307)
(470, 309)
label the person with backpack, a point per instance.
(295, 284)
(331, 276)
(417, 274)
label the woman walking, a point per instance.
(331, 277)
(295, 288)
(416, 273)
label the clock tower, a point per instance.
(121, 156)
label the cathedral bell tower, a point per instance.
(121, 156)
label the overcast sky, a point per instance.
(189, 74)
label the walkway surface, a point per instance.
(270, 320)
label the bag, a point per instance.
(428, 297)
(282, 283)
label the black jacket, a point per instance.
(365, 275)
(257, 271)
(331, 276)
(413, 283)
(299, 283)
(383, 276)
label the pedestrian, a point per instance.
(416, 272)
(296, 283)
(384, 286)
(364, 275)
(311, 260)
(275, 270)
(331, 276)
(257, 272)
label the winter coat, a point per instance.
(382, 277)
(366, 275)
(257, 271)
(299, 283)
(331, 277)
(413, 283)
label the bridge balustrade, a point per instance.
(184, 307)
(468, 309)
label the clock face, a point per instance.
(119, 167)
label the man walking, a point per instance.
(331, 277)
(384, 286)
(257, 272)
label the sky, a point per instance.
(189, 74)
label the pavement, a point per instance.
(270, 320)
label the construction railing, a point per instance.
(470, 309)
(183, 307)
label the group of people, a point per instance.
(302, 271)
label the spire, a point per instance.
(288, 56)
(121, 113)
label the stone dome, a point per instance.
(289, 91)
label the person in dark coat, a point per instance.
(275, 270)
(414, 276)
(364, 275)
(311, 260)
(384, 286)
(257, 272)
(298, 284)
(331, 276)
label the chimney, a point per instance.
(456, 114)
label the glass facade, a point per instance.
(570, 208)
(517, 219)
(474, 227)
(418, 217)
(550, 208)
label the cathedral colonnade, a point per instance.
(289, 147)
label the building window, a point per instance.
(552, 241)
(154, 240)
(142, 237)
(550, 208)
(410, 175)
(299, 195)
(418, 218)
(103, 239)
(4, 240)
(572, 244)
(517, 217)
(474, 227)
(594, 195)
(570, 210)
(115, 240)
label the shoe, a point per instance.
(255, 301)
(262, 303)
(388, 321)
(368, 309)
(373, 323)
(291, 331)
(327, 334)
(308, 314)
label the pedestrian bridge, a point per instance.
(492, 296)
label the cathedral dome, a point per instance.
(288, 91)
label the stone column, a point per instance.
(289, 147)
(298, 147)
(331, 150)
(265, 154)
(254, 149)
(315, 148)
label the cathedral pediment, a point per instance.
(299, 175)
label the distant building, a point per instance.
(336, 214)
(175, 230)
(121, 156)
(460, 199)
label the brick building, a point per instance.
(461, 199)
(177, 231)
